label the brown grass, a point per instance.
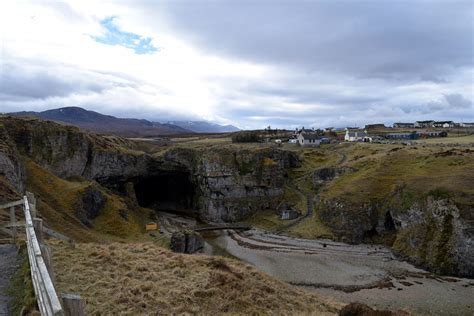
(58, 200)
(142, 278)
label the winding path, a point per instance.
(8, 266)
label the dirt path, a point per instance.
(8, 266)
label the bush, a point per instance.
(439, 194)
(246, 137)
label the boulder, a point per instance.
(186, 242)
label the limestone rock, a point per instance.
(186, 242)
(91, 204)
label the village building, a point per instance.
(309, 139)
(423, 124)
(373, 126)
(434, 134)
(403, 125)
(289, 214)
(410, 136)
(444, 124)
(467, 124)
(357, 136)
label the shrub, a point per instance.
(439, 194)
(246, 137)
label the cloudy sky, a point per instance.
(249, 63)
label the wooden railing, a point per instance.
(48, 301)
(39, 257)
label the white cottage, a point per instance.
(356, 136)
(308, 140)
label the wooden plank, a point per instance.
(32, 203)
(13, 222)
(46, 295)
(55, 234)
(38, 224)
(18, 224)
(73, 304)
(34, 278)
(8, 205)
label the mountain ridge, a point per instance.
(108, 124)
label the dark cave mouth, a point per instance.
(170, 192)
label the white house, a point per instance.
(356, 136)
(444, 124)
(308, 140)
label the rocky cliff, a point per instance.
(419, 201)
(226, 184)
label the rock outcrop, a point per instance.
(351, 223)
(433, 234)
(235, 183)
(228, 183)
(11, 168)
(323, 175)
(186, 242)
(430, 232)
(91, 204)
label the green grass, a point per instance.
(420, 170)
(462, 139)
(310, 228)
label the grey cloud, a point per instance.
(395, 40)
(42, 81)
(457, 100)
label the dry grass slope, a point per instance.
(142, 278)
(59, 199)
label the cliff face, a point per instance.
(417, 199)
(68, 152)
(433, 233)
(236, 183)
(11, 169)
(228, 184)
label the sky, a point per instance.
(287, 64)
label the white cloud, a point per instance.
(52, 47)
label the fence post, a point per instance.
(13, 223)
(38, 224)
(73, 305)
(47, 257)
(32, 202)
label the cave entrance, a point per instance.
(389, 223)
(171, 192)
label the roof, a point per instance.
(310, 136)
(401, 134)
(431, 121)
(443, 122)
(403, 123)
(359, 134)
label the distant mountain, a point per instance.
(106, 124)
(205, 127)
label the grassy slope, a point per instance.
(299, 184)
(58, 200)
(141, 278)
(419, 169)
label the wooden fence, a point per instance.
(39, 257)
